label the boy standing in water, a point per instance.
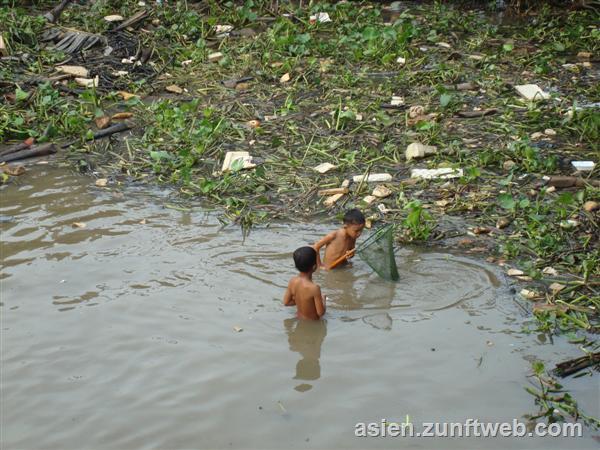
(341, 242)
(301, 290)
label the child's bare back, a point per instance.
(306, 295)
(302, 291)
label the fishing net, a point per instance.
(378, 252)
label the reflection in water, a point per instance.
(306, 338)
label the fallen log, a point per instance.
(566, 368)
(55, 13)
(560, 181)
(40, 150)
(15, 148)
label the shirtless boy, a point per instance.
(341, 242)
(301, 290)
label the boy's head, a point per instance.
(354, 222)
(305, 259)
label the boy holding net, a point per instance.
(340, 244)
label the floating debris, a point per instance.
(532, 92)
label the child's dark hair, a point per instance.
(354, 217)
(305, 258)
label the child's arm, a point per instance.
(319, 302)
(321, 243)
(288, 299)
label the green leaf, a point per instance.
(508, 47)
(445, 100)
(160, 155)
(506, 201)
(21, 95)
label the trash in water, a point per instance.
(214, 57)
(173, 88)
(242, 158)
(77, 71)
(532, 92)
(372, 178)
(418, 150)
(584, 166)
(321, 17)
(381, 191)
(443, 173)
(114, 18)
(324, 167)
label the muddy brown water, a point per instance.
(120, 335)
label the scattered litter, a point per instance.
(3, 49)
(101, 182)
(238, 329)
(372, 178)
(122, 116)
(443, 173)
(214, 57)
(330, 201)
(381, 191)
(186, 63)
(14, 171)
(584, 166)
(232, 158)
(174, 89)
(333, 191)
(102, 122)
(532, 92)
(550, 271)
(76, 71)
(569, 224)
(324, 167)
(78, 225)
(383, 209)
(126, 95)
(114, 18)
(285, 78)
(503, 222)
(529, 295)
(556, 287)
(536, 136)
(88, 82)
(444, 45)
(549, 132)
(508, 164)
(591, 206)
(223, 29)
(397, 100)
(369, 199)
(120, 73)
(416, 111)
(321, 17)
(418, 150)
(253, 123)
(400, 60)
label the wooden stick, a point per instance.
(53, 15)
(41, 150)
(14, 148)
(341, 259)
(572, 366)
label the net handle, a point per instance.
(341, 259)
